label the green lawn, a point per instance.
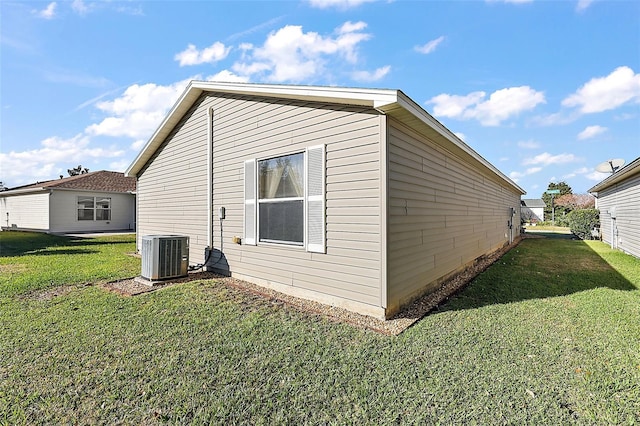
(550, 334)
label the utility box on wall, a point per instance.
(165, 256)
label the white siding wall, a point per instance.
(64, 212)
(625, 197)
(29, 211)
(443, 214)
(172, 194)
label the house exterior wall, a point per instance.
(623, 232)
(532, 213)
(443, 214)
(27, 211)
(64, 212)
(172, 194)
(172, 189)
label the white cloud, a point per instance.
(350, 27)
(555, 119)
(48, 12)
(460, 136)
(546, 159)
(139, 111)
(517, 175)
(591, 132)
(606, 93)
(369, 76)
(528, 144)
(76, 78)
(339, 4)
(228, 76)
(42, 162)
(119, 166)
(254, 28)
(137, 145)
(430, 46)
(289, 54)
(501, 105)
(580, 171)
(597, 176)
(79, 7)
(192, 56)
(583, 5)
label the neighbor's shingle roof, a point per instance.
(93, 181)
(533, 202)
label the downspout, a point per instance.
(210, 178)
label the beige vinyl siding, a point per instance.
(172, 188)
(246, 128)
(64, 212)
(625, 197)
(28, 211)
(443, 214)
(251, 127)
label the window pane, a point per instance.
(282, 222)
(85, 203)
(103, 214)
(85, 214)
(281, 177)
(103, 203)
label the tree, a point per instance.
(572, 202)
(77, 171)
(560, 186)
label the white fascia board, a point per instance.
(408, 104)
(93, 191)
(341, 95)
(22, 191)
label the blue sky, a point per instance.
(544, 90)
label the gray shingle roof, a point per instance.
(102, 180)
(533, 202)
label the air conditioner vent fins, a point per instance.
(164, 256)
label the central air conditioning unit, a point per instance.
(165, 256)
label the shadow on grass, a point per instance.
(16, 243)
(551, 266)
(60, 251)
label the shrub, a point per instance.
(562, 220)
(581, 222)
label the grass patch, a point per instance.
(548, 228)
(533, 340)
(32, 261)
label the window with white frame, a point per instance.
(94, 208)
(284, 200)
(281, 199)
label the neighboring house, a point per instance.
(618, 199)
(352, 197)
(532, 210)
(94, 201)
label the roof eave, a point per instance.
(373, 98)
(447, 136)
(384, 100)
(23, 191)
(620, 175)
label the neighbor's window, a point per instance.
(281, 199)
(94, 208)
